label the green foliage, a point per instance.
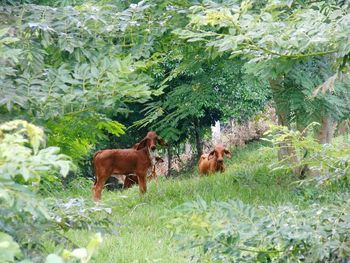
(76, 213)
(192, 85)
(232, 231)
(22, 165)
(7, 54)
(76, 135)
(21, 159)
(85, 254)
(307, 105)
(25, 220)
(9, 249)
(89, 60)
(300, 95)
(271, 31)
(301, 44)
(67, 67)
(82, 254)
(74, 58)
(69, 59)
(327, 163)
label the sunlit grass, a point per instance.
(140, 221)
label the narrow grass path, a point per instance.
(140, 221)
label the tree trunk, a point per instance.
(326, 131)
(286, 150)
(197, 139)
(343, 129)
(282, 112)
(281, 106)
(170, 158)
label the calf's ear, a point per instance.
(229, 155)
(159, 160)
(142, 144)
(136, 145)
(211, 154)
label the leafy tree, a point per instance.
(64, 66)
(70, 62)
(300, 47)
(276, 37)
(199, 92)
(67, 65)
(305, 104)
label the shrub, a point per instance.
(82, 254)
(326, 162)
(23, 164)
(234, 232)
(25, 220)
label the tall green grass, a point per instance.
(140, 221)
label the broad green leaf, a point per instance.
(9, 249)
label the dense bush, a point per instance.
(68, 69)
(325, 162)
(76, 135)
(25, 219)
(234, 232)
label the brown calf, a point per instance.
(136, 161)
(214, 161)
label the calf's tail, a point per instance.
(93, 166)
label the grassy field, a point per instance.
(140, 221)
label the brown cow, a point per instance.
(125, 161)
(130, 180)
(214, 161)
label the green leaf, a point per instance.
(53, 258)
(64, 167)
(9, 249)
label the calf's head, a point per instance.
(150, 141)
(219, 152)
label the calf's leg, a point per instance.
(142, 183)
(101, 178)
(130, 181)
